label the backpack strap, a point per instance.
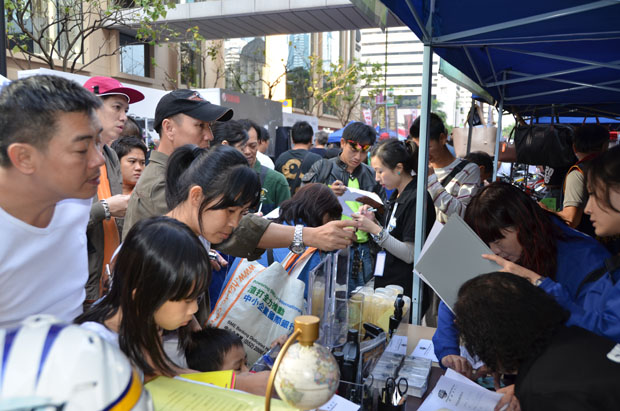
(460, 166)
(611, 264)
(326, 170)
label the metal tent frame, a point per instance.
(557, 57)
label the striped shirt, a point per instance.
(458, 192)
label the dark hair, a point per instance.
(591, 138)
(230, 131)
(208, 347)
(436, 127)
(302, 132)
(359, 132)
(321, 137)
(247, 124)
(505, 320)
(308, 206)
(391, 152)
(132, 128)
(29, 110)
(222, 171)
(263, 134)
(500, 206)
(160, 260)
(604, 175)
(123, 145)
(481, 158)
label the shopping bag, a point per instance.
(260, 303)
(483, 136)
(482, 139)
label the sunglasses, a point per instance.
(357, 147)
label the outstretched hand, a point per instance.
(513, 268)
(334, 235)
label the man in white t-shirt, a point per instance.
(50, 154)
(451, 181)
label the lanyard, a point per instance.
(390, 223)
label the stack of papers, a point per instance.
(455, 392)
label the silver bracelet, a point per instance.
(106, 209)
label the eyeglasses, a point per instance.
(357, 147)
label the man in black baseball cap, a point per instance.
(181, 117)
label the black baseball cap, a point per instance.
(191, 103)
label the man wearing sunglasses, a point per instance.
(350, 169)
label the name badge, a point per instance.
(380, 264)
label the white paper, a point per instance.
(429, 240)
(450, 373)
(352, 194)
(425, 349)
(473, 360)
(380, 264)
(273, 214)
(397, 345)
(455, 395)
(337, 403)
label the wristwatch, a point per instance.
(297, 246)
(380, 238)
(106, 209)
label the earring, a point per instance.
(399, 173)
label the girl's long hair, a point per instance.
(160, 260)
(501, 206)
(220, 172)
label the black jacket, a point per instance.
(327, 171)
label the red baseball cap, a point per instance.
(107, 86)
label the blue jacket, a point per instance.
(578, 255)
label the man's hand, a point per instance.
(334, 235)
(458, 364)
(118, 205)
(338, 187)
(509, 401)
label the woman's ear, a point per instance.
(195, 196)
(399, 168)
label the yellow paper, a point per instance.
(176, 395)
(223, 379)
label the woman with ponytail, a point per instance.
(395, 163)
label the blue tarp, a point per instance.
(568, 50)
(337, 135)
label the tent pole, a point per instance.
(420, 210)
(499, 130)
(498, 138)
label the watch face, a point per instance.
(297, 249)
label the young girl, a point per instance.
(210, 192)
(394, 163)
(597, 306)
(215, 349)
(159, 272)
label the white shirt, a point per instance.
(264, 160)
(44, 270)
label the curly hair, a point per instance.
(505, 320)
(500, 206)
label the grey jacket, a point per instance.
(94, 231)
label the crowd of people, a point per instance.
(100, 231)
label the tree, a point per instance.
(60, 33)
(335, 86)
